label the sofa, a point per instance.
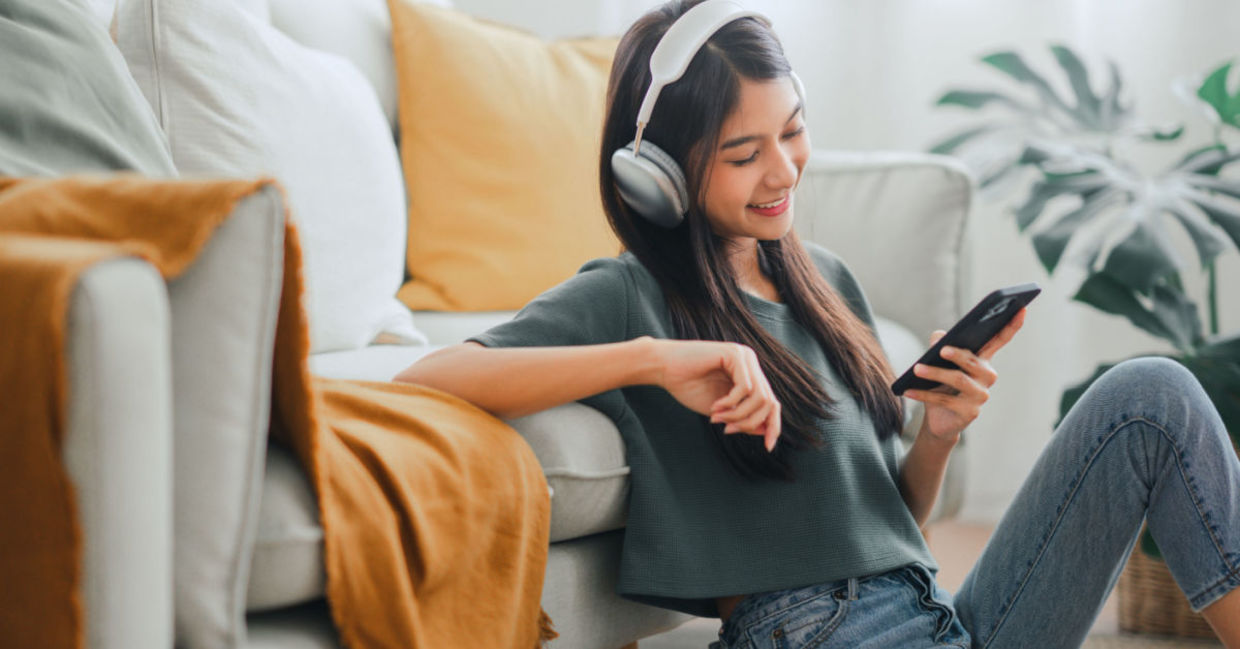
(899, 220)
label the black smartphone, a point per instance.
(972, 332)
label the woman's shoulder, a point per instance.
(829, 264)
(613, 278)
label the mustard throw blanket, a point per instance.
(436, 515)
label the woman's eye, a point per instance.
(789, 136)
(741, 163)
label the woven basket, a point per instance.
(1151, 602)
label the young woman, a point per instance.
(741, 367)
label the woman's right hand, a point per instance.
(723, 380)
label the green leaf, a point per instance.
(1198, 156)
(1179, 315)
(1109, 295)
(1209, 243)
(1112, 112)
(1051, 242)
(1140, 259)
(1148, 546)
(1228, 186)
(1084, 183)
(953, 142)
(1033, 155)
(1166, 134)
(1216, 365)
(977, 98)
(1087, 105)
(1039, 195)
(1207, 160)
(1214, 92)
(1225, 216)
(996, 175)
(1227, 346)
(1011, 64)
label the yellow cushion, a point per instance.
(499, 137)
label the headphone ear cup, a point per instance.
(651, 183)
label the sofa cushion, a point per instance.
(499, 135)
(238, 97)
(287, 566)
(68, 104)
(358, 30)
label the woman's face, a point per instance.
(763, 148)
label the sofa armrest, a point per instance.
(898, 220)
(224, 309)
(118, 452)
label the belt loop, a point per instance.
(852, 588)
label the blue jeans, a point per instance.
(1143, 443)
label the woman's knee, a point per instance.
(1158, 389)
(1150, 373)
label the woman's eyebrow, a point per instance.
(737, 141)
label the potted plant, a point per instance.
(1091, 208)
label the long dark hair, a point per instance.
(690, 262)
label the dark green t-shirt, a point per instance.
(696, 529)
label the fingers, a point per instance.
(738, 366)
(966, 409)
(1004, 336)
(750, 414)
(963, 383)
(978, 368)
(752, 407)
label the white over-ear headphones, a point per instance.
(648, 179)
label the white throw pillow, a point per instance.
(237, 97)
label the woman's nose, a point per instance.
(783, 171)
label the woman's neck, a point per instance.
(743, 258)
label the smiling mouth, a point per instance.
(774, 208)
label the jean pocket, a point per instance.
(944, 615)
(809, 624)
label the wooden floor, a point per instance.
(956, 546)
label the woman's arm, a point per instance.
(950, 407)
(922, 472)
(720, 379)
(512, 382)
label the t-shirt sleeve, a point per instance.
(589, 308)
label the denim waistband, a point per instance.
(756, 602)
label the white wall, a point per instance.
(872, 71)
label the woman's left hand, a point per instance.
(955, 404)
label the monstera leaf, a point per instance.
(1214, 92)
(1052, 118)
(1166, 312)
(1117, 220)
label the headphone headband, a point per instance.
(671, 57)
